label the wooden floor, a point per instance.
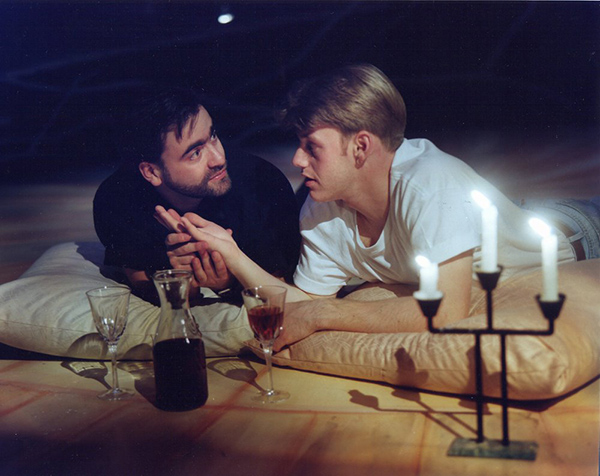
(51, 423)
(37, 216)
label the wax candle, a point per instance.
(549, 259)
(489, 239)
(428, 278)
(489, 233)
(550, 268)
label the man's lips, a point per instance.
(309, 181)
(219, 175)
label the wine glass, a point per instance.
(110, 305)
(265, 305)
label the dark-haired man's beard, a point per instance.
(206, 188)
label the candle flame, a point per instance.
(540, 227)
(480, 199)
(422, 261)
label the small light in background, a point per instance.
(225, 16)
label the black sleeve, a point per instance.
(124, 222)
(271, 217)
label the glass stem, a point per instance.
(268, 350)
(112, 348)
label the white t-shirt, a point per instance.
(431, 213)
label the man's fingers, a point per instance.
(169, 219)
(199, 271)
(174, 239)
(194, 232)
(196, 220)
(279, 342)
(207, 264)
(181, 261)
(173, 213)
(219, 263)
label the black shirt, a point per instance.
(260, 208)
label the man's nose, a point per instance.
(299, 159)
(216, 155)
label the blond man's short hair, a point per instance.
(351, 99)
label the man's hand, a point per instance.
(184, 253)
(210, 271)
(299, 322)
(170, 219)
(212, 236)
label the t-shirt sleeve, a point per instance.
(318, 272)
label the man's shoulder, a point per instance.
(244, 164)
(125, 186)
(422, 149)
(254, 176)
(420, 158)
(323, 213)
(123, 175)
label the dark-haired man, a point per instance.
(174, 158)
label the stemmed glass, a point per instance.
(265, 306)
(110, 305)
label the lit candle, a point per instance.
(549, 259)
(428, 278)
(489, 233)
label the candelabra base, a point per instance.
(526, 450)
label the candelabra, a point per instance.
(482, 447)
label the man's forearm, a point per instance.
(400, 314)
(251, 274)
(397, 314)
(385, 316)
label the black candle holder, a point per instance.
(482, 447)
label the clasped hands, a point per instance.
(197, 245)
(211, 252)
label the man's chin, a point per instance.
(319, 197)
(221, 188)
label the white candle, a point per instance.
(489, 239)
(428, 278)
(549, 259)
(489, 233)
(550, 268)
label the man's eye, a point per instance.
(213, 135)
(195, 154)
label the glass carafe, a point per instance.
(179, 357)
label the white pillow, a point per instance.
(46, 310)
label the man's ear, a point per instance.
(151, 172)
(362, 145)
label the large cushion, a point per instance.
(538, 367)
(46, 310)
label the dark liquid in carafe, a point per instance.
(180, 374)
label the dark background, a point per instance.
(517, 71)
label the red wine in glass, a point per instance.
(266, 322)
(265, 306)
